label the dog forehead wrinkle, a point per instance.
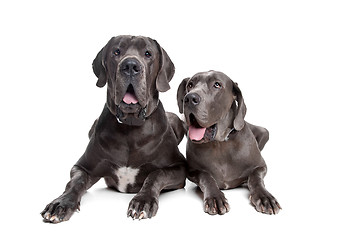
(139, 42)
(130, 43)
(126, 176)
(121, 42)
(200, 87)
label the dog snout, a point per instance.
(192, 99)
(130, 67)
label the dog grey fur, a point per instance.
(133, 144)
(223, 150)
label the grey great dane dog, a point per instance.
(133, 144)
(223, 150)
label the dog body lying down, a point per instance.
(223, 150)
(133, 144)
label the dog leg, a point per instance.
(261, 135)
(262, 200)
(92, 129)
(214, 200)
(62, 208)
(178, 126)
(146, 202)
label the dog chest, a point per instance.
(126, 176)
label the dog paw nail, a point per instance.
(206, 207)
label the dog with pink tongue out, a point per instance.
(130, 98)
(196, 133)
(223, 150)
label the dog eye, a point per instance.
(117, 52)
(190, 85)
(217, 85)
(148, 54)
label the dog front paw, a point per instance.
(59, 210)
(143, 206)
(216, 204)
(264, 202)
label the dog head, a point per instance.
(135, 69)
(213, 106)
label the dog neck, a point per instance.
(144, 113)
(152, 105)
(225, 126)
(230, 132)
(129, 118)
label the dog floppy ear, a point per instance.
(239, 121)
(166, 72)
(181, 94)
(99, 69)
(99, 66)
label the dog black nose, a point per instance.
(130, 67)
(192, 98)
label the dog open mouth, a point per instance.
(129, 111)
(130, 103)
(200, 134)
(130, 97)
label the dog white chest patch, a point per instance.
(126, 176)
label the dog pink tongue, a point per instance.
(130, 98)
(196, 133)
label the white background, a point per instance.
(297, 63)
